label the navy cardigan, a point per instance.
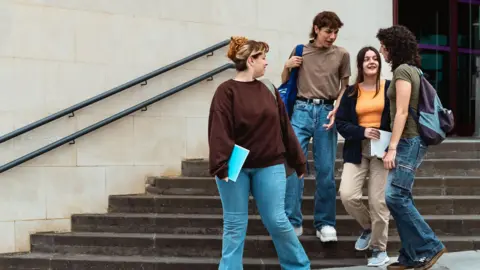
(347, 125)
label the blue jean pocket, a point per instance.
(422, 151)
(328, 107)
(403, 177)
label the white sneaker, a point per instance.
(379, 258)
(298, 230)
(327, 234)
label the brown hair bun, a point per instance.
(241, 48)
(236, 44)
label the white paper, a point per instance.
(378, 147)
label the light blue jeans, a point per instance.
(267, 185)
(307, 122)
(418, 240)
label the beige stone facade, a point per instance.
(55, 53)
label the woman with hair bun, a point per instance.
(245, 112)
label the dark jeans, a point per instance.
(418, 240)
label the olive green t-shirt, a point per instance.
(410, 74)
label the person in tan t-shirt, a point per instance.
(324, 69)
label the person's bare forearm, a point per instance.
(398, 126)
(403, 90)
(285, 74)
(343, 87)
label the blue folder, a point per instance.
(236, 161)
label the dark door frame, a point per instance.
(453, 14)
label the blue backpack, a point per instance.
(288, 90)
(433, 120)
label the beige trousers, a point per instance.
(351, 185)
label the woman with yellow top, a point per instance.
(363, 111)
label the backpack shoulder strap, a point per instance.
(299, 50)
(419, 71)
(410, 109)
(270, 87)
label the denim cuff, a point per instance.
(422, 257)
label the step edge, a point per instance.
(220, 216)
(216, 197)
(219, 237)
(210, 178)
(157, 259)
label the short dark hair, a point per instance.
(325, 19)
(401, 45)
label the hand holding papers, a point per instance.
(377, 147)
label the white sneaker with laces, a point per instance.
(298, 230)
(327, 234)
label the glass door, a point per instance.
(448, 33)
(468, 69)
(429, 21)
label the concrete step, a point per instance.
(451, 185)
(450, 148)
(168, 245)
(181, 204)
(449, 225)
(429, 167)
(49, 261)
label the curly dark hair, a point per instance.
(325, 19)
(401, 45)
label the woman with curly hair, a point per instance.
(244, 111)
(420, 247)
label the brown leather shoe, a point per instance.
(397, 266)
(432, 261)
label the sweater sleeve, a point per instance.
(220, 132)
(294, 153)
(345, 127)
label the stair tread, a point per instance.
(220, 216)
(209, 178)
(196, 197)
(248, 237)
(156, 259)
(341, 160)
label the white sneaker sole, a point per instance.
(327, 239)
(387, 260)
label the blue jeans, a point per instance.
(418, 240)
(267, 185)
(307, 122)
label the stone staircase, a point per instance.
(177, 224)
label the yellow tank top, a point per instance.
(369, 108)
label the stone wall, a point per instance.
(55, 53)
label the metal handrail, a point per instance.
(112, 118)
(111, 92)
